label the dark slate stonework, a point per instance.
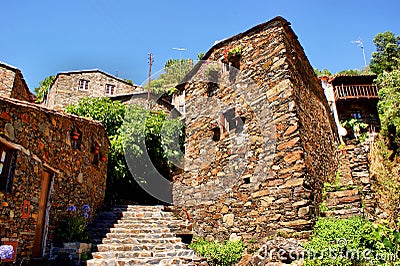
(266, 175)
(42, 142)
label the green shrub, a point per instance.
(219, 254)
(352, 241)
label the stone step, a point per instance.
(155, 208)
(147, 220)
(139, 235)
(138, 247)
(143, 230)
(144, 254)
(146, 215)
(139, 241)
(143, 262)
(173, 226)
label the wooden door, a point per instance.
(41, 227)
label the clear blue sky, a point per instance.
(43, 38)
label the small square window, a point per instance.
(110, 89)
(7, 166)
(83, 84)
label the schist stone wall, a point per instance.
(12, 84)
(66, 88)
(259, 138)
(41, 142)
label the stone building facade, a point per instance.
(13, 84)
(260, 139)
(49, 160)
(70, 87)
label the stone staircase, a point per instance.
(140, 235)
(350, 194)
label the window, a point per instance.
(7, 166)
(181, 109)
(83, 84)
(110, 89)
(230, 121)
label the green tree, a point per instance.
(135, 134)
(324, 72)
(389, 106)
(200, 56)
(174, 71)
(387, 55)
(354, 72)
(109, 113)
(43, 89)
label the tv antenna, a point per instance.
(180, 51)
(180, 58)
(359, 43)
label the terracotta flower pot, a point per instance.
(75, 135)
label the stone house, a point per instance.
(260, 140)
(353, 96)
(48, 161)
(13, 84)
(70, 87)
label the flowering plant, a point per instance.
(230, 53)
(6, 252)
(74, 227)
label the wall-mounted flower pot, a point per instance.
(96, 149)
(75, 135)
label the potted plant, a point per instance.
(355, 125)
(233, 55)
(75, 134)
(96, 148)
(6, 253)
(72, 232)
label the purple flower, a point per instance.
(72, 208)
(86, 215)
(6, 251)
(86, 208)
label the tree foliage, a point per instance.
(174, 71)
(389, 106)
(150, 134)
(354, 72)
(323, 72)
(387, 55)
(135, 134)
(109, 113)
(43, 89)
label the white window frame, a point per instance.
(110, 89)
(83, 85)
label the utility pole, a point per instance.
(360, 44)
(151, 60)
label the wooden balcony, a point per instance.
(356, 92)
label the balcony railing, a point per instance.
(356, 91)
